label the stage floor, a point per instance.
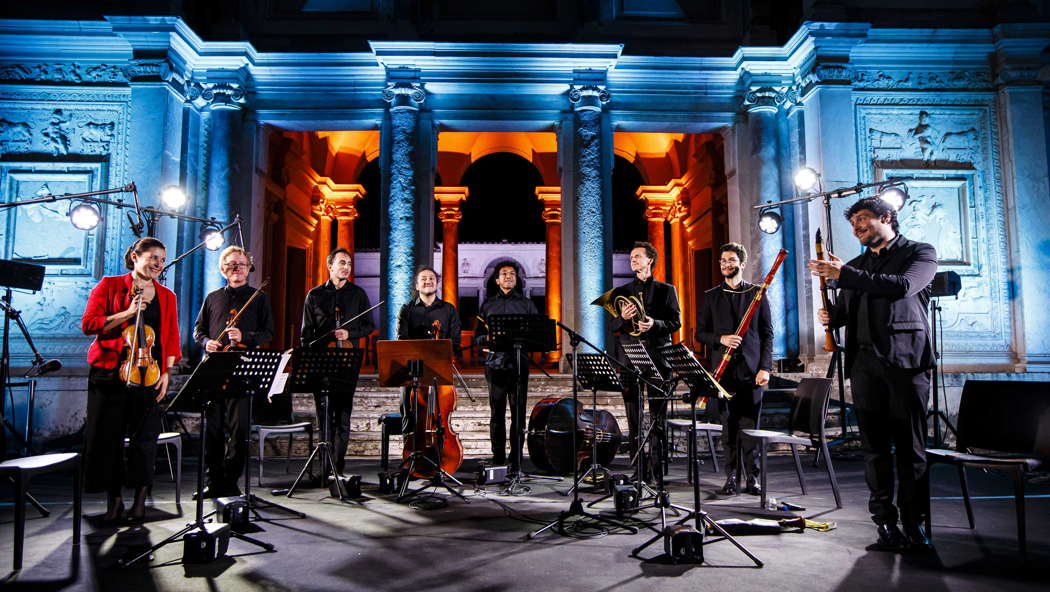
(378, 544)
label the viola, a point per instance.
(235, 315)
(138, 367)
(433, 428)
(340, 343)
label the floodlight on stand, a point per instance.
(807, 180)
(769, 220)
(213, 239)
(173, 197)
(84, 216)
(895, 195)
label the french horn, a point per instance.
(613, 302)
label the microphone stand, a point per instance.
(236, 222)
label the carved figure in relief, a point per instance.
(924, 139)
(56, 134)
(14, 135)
(97, 132)
(881, 139)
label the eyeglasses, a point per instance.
(234, 266)
(728, 261)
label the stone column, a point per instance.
(679, 261)
(763, 105)
(399, 213)
(551, 198)
(222, 104)
(322, 241)
(592, 141)
(659, 200)
(450, 215)
(342, 202)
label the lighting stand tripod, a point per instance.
(937, 413)
(684, 366)
(214, 378)
(576, 507)
(323, 371)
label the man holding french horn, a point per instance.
(650, 315)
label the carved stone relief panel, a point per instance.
(949, 145)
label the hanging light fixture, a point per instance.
(84, 216)
(807, 180)
(895, 195)
(770, 220)
(213, 239)
(173, 197)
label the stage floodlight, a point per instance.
(895, 195)
(769, 221)
(84, 216)
(213, 239)
(807, 180)
(173, 197)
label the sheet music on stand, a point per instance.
(256, 370)
(639, 357)
(595, 373)
(685, 365)
(315, 370)
(534, 333)
(280, 378)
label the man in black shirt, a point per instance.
(662, 318)
(327, 307)
(505, 375)
(883, 300)
(426, 317)
(747, 375)
(228, 422)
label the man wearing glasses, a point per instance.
(228, 422)
(747, 375)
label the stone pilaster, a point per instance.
(551, 198)
(450, 214)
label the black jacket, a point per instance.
(661, 303)
(319, 312)
(724, 308)
(897, 286)
(416, 320)
(255, 323)
(498, 304)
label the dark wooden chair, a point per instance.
(805, 428)
(1003, 426)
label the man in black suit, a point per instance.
(883, 301)
(747, 375)
(662, 318)
(327, 307)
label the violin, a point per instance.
(139, 368)
(235, 315)
(433, 428)
(340, 343)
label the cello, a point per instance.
(432, 428)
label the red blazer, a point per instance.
(111, 296)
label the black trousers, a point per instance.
(503, 384)
(891, 414)
(741, 412)
(226, 448)
(340, 407)
(115, 412)
(657, 414)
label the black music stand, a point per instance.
(257, 370)
(684, 366)
(218, 376)
(639, 359)
(599, 380)
(595, 373)
(521, 334)
(323, 371)
(411, 363)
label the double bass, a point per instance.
(432, 427)
(550, 435)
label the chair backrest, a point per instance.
(1006, 416)
(811, 406)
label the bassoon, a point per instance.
(825, 300)
(750, 314)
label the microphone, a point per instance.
(40, 367)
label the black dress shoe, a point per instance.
(730, 487)
(210, 492)
(751, 485)
(890, 539)
(917, 539)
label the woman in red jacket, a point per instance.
(116, 411)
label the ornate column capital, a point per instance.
(404, 95)
(551, 198)
(588, 97)
(143, 70)
(216, 95)
(767, 99)
(662, 202)
(449, 200)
